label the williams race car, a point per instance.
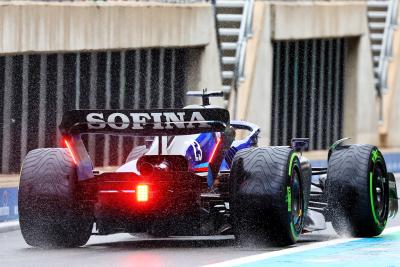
(194, 178)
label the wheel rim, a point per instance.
(379, 195)
(296, 216)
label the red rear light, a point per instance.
(142, 193)
(214, 150)
(70, 150)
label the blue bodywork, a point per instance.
(207, 143)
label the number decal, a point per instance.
(198, 153)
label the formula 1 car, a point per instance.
(194, 178)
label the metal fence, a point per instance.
(37, 89)
(308, 87)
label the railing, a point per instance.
(245, 31)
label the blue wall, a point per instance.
(8, 204)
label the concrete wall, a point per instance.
(254, 95)
(360, 110)
(74, 26)
(393, 136)
(204, 70)
(392, 97)
(304, 20)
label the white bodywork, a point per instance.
(178, 146)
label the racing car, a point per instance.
(193, 176)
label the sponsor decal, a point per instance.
(197, 151)
(374, 155)
(155, 120)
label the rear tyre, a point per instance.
(268, 203)
(358, 191)
(49, 213)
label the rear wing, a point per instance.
(145, 122)
(157, 122)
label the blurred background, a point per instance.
(318, 69)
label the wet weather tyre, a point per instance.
(357, 191)
(50, 216)
(267, 197)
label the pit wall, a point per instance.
(295, 20)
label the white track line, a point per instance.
(9, 226)
(267, 255)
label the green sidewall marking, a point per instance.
(291, 163)
(288, 189)
(375, 155)
(289, 198)
(371, 196)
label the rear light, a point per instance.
(214, 150)
(70, 150)
(142, 193)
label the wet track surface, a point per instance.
(126, 250)
(122, 250)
